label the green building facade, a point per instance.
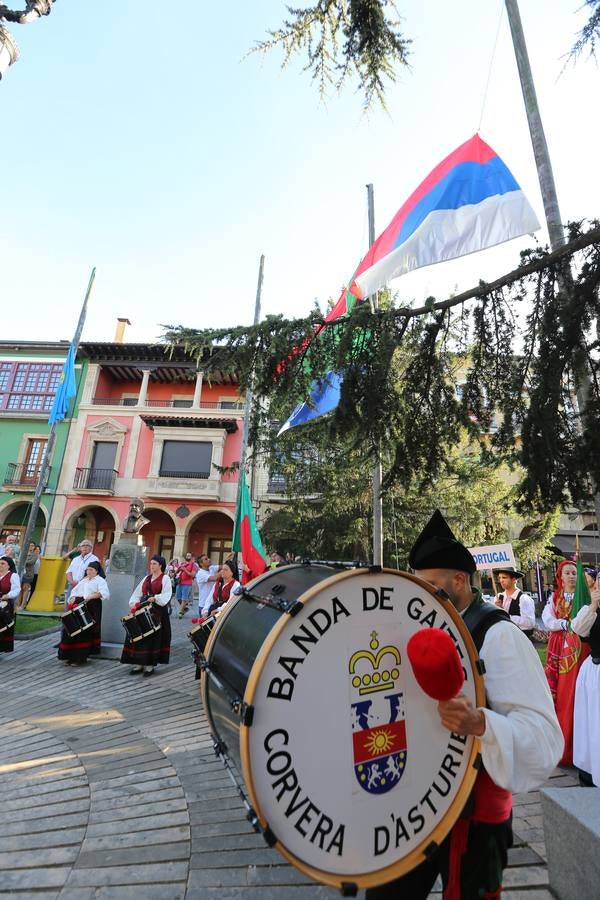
(29, 375)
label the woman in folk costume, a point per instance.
(225, 585)
(520, 738)
(93, 589)
(155, 590)
(586, 720)
(565, 654)
(10, 588)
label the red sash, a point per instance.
(5, 583)
(492, 804)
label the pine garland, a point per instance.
(523, 349)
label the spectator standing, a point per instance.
(590, 577)
(186, 574)
(79, 564)
(36, 568)
(11, 548)
(206, 575)
(27, 577)
(70, 555)
(519, 605)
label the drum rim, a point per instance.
(440, 832)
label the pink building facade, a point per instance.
(150, 426)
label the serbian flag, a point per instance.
(246, 537)
(469, 202)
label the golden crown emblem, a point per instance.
(378, 678)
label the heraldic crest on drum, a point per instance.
(378, 717)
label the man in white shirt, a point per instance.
(76, 570)
(206, 576)
(516, 603)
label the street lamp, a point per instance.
(34, 9)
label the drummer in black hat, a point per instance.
(519, 605)
(521, 740)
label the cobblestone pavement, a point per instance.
(110, 789)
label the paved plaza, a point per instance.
(110, 789)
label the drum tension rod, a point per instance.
(272, 601)
(348, 889)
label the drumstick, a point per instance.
(435, 663)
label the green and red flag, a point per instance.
(246, 536)
(581, 596)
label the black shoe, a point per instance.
(136, 671)
(148, 673)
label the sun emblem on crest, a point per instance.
(379, 742)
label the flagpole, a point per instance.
(377, 471)
(44, 469)
(541, 154)
(249, 392)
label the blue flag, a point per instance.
(66, 389)
(324, 397)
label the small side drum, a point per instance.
(200, 634)
(349, 771)
(140, 624)
(77, 620)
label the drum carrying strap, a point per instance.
(479, 618)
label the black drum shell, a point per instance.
(236, 641)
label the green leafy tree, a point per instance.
(330, 502)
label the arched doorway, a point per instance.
(211, 533)
(159, 534)
(97, 524)
(14, 518)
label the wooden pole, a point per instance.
(545, 175)
(44, 469)
(249, 392)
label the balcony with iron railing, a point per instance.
(96, 481)
(225, 406)
(22, 476)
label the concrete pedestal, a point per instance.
(572, 834)
(128, 565)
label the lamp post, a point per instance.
(34, 9)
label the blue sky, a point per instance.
(150, 147)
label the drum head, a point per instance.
(346, 760)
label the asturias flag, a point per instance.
(469, 202)
(246, 537)
(66, 390)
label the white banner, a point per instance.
(496, 556)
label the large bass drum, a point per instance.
(308, 688)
